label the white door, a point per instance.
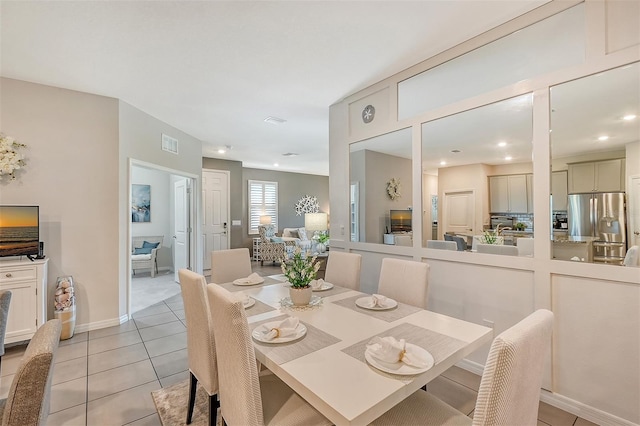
(181, 226)
(215, 202)
(459, 209)
(634, 212)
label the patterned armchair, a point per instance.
(269, 249)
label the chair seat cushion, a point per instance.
(421, 408)
(142, 250)
(140, 257)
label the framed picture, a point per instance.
(140, 203)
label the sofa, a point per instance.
(143, 253)
(299, 236)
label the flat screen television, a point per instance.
(400, 220)
(19, 230)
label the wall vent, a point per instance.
(169, 144)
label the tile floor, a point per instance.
(105, 377)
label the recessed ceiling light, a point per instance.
(274, 120)
(629, 117)
(443, 163)
(221, 151)
(503, 143)
(275, 164)
(508, 158)
(603, 138)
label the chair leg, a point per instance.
(213, 409)
(193, 385)
(424, 388)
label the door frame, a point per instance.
(193, 217)
(229, 222)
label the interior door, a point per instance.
(215, 201)
(181, 226)
(458, 214)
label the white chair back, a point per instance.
(201, 348)
(405, 281)
(479, 239)
(632, 258)
(343, 269)
(228, 265)
(442, 245)
(496, 249)
(240, 398)
(525, 246)
(509, 391)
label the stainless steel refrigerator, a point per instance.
(601, 216)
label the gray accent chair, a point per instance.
(5, 300)
(28, 401)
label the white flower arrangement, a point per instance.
(10, 159)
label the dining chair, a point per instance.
(442, 245)
(5, 301)
(228, 265)
(201, 349)
(405, 281)
(509, 391)
(27, 403)
(632, 258)
(525, 246)
(461, 243)
(343, 269)
(246, 397)
(498, 249)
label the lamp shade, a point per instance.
(315, 221)
(265, 220)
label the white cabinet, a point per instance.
(508, 194)
(600, 176)
(559, 190)
(27, 281)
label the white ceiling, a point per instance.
(216, 69)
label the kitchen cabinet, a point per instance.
(559, 190)
(508, 194)
(596, 176)
(27, 281)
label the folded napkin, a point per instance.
(378, 300)
(242, 297)
(253, 278)
(388, 349)
(317, 284)
(285, 328)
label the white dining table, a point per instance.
(327, 366)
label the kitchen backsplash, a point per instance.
(526, 218)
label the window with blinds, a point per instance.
(263, 200)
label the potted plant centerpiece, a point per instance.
(300, 270)
(493, 237)
(323, 239)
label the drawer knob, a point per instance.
(8, 275)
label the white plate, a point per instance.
(243, 281)
(286, 302)
(249, 303)
(325, 286)
(364, 302)
(400, 367)
(258, 333)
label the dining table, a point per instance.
(327, 365)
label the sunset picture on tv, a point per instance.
(19, 230)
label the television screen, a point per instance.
(400, 220)
(19, 230)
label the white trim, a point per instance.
(82, 328)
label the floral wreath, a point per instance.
(10, 159)
(393, 188)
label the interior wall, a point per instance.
(235, 196)
(161, 211)
(71, 173)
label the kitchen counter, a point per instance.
(573, 248)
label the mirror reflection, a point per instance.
(478, 178)
(381, 189)
(595, 150)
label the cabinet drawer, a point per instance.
(9, 275)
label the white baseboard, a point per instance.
(562, 402)
(81, 328)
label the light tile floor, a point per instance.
(105, 377)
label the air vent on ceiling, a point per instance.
(290, 154)
(169, 144)
(274, 120)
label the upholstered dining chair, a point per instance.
(498, 249)
(27, 403)
(5, 301)
(405, 281)
(509, 391)
(246, 397)
(442, 245)
(228, 265)
(201, 349)
(343, 269)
